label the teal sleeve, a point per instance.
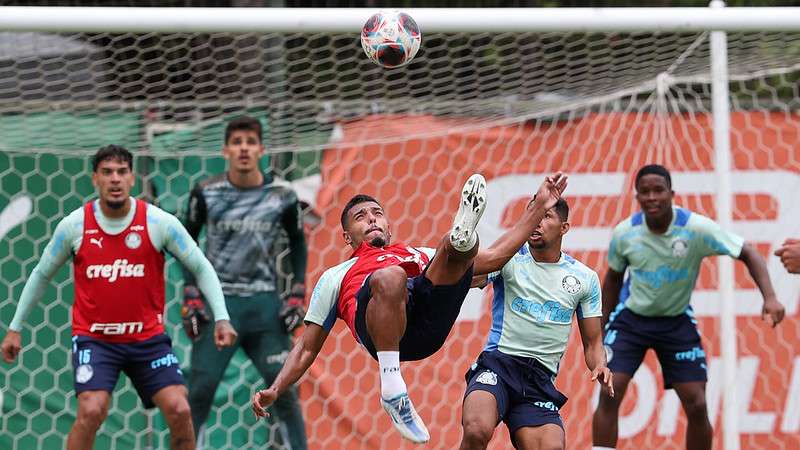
(716, 240)
(616, 260)
(168, 233)
(55, 254)
(591, 305)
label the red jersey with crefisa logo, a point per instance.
(370, 259)
(119, 282)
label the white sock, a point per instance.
(596, 447)
(392, 383)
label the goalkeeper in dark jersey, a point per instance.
(245, 212)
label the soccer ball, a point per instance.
(390, 38)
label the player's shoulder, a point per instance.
(213, 182)
(73, 220)
(156, 215)
(338, 271)
(279, 185)
(693, 220)
(575, 265)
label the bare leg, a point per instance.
(386, 312)
(699, 433)
(606, 418)
(92, 411)
(478, 419)
(544, 437)
(174, 405)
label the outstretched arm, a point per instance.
(297, 363)
(773, 311)
(594, 354)
(55, 254)
(495, 257)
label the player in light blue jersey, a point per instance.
(661, 248)
(537, 291)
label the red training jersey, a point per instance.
(368, 260)
(119, 282)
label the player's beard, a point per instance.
(538, 245)
(378, 241)
(116, 205)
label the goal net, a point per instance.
(512, 106)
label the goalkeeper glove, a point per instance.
(292, 313)
(193, 312)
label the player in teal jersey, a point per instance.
(537, 291)
(661, 247)
(245, 212)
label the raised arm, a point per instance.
(495, 257)
(297, 363)
(772, 311)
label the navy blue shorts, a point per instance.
(674, 339)
(431, 312)
(151, 365)
(522, 387)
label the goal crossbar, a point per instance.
(137, 19)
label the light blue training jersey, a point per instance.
(663, 268)
(534, 303)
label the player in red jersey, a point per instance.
(116, 244)
(400, 302)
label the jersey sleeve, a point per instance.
(322, 306)
(617, 261)
(591, 305)
(715, 240)
(169, 234)
(68, 231)
(292, 221)
(194, 221)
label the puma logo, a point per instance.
(97, 242)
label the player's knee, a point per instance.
(388, 281)
(91, 414)
(177, 411)
(477, 433)
(696, 408)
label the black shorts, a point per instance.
(151, 365)
(522, 387)
(675, 340)
(431, 312)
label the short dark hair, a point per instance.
(244, 123)
(653, 169)
(112, 152)
(358, 198)
(561, 207)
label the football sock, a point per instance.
(392, 383)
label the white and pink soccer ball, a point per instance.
(390, 38)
